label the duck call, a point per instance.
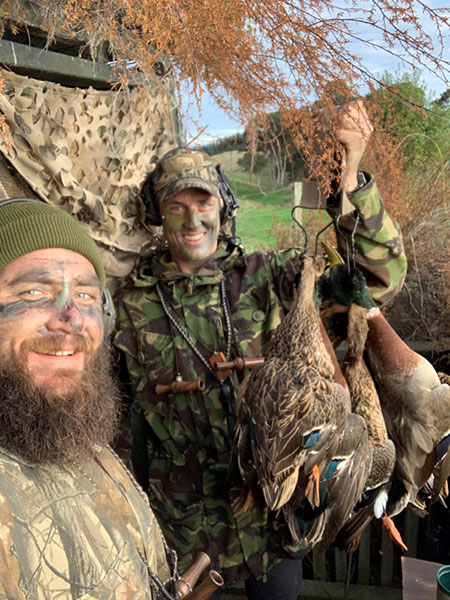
(178, 387)
(212, 582)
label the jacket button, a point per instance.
(259, 316)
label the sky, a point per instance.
(218, 124)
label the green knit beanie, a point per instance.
(27, 225)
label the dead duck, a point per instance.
(365, 402)
(290, 413)
(416, 406)
(343, 483)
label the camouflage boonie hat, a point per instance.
(184, 168)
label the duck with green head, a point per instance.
(416, 406)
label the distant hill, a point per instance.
(229, 159)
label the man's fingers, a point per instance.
(354, 118)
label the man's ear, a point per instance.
(152, 212)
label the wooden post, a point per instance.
(364, 557)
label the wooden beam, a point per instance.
(51, 66)
(364, 557)
(325, 590)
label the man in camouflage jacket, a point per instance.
(73, 523)
(200, 296)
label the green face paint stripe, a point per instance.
(63, 294)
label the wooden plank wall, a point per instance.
(374, 570)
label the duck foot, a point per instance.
(394, 533)
(312, 491)
(248, 503)
(354, 544)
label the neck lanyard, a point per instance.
(184, 332)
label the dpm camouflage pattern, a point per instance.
(76, 533)
(182, 442)
(378, 240)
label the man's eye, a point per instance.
(207, 204)
(32, 294)
(85, 297)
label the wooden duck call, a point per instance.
(190, 577)
(178, 387)
(239, 363)
(212, 582)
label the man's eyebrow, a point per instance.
(88, 280)
(49, 278)
(33, 276)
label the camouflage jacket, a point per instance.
(75, 533)
(182, 442)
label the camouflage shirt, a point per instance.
(182, 442)
(73, 532)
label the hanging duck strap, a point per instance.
(158, 587)
(226, 394)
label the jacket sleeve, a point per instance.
(378, 243)
(9, 566)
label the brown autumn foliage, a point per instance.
(418, 199)
(253, 56)
(258, 56)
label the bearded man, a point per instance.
(73, 523)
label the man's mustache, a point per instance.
(57, 343)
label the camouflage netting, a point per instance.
(88, 152)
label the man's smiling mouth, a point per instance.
(193, 237)
(60, 353)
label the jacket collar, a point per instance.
(160, 267)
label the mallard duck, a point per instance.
(343, 483)
(416, 406)
(366, 403)
(290, 413)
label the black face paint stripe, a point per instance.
(19, 306)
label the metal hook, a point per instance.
(318, 235)
(343, 236)
(352, 238)
(350, 250)
(305, 245)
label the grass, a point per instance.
(259, 205)
(264, 220)
(257, 213)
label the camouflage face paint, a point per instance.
(17, 308)
(191, 226)
(57, 300)
(63, 295)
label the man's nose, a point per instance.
(67, 319)
(192, 219)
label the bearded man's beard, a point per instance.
(50, 426)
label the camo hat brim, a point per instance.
(181, 169)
